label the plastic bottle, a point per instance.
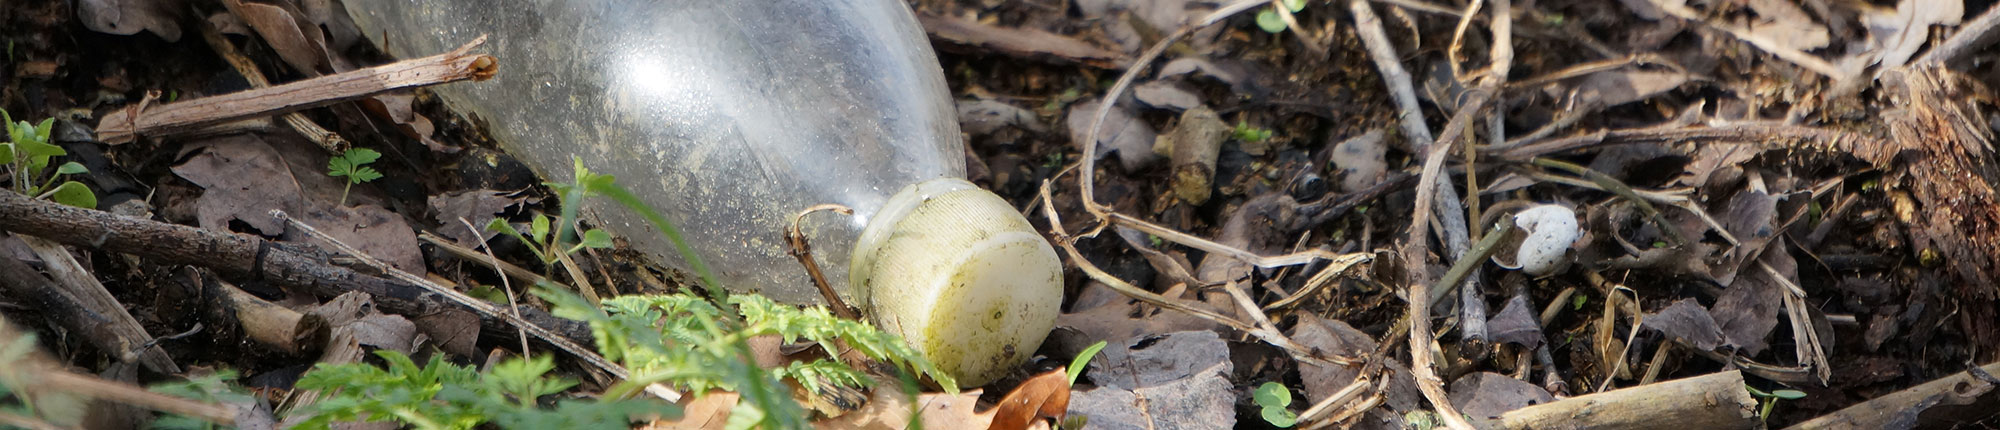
(733, 116)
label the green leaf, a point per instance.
(364, 174)
(74, 193)
(501, 225)
(1281, 417)
(38, 153)
(1270, 22)
(1576, 303)
(1789, 394)
(1273, 395)
(1082, 359)
(539, 229)
(7, 153)
(596, 239)
(360, 156)
(71, 168)
(1756, 392)
(1295, 5)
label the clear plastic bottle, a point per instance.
(732, 116)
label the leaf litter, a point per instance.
(1730, 113)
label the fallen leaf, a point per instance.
(1166, 95)
(475, 206)
(296, 41)
(371, 229)
(1339, 338)
(454, 330)
(1043, 396)
(397, 108)
(1688, 321)
(356, 312)
(1783, 22)
(1486, 395)
(1256, 226)
(1238, 76)
(1616, 87)
(128, 17)
(1894, 37)
(1021, 42)
(1751, 216)
(985, 116)
(1122, 133)
(1182, 377)
(1748, 309)
(1123, 320)
(244, 179)
(1516, 324)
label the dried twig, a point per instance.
(802, 250)
(126, 125)
(512, 304)
(1971, 37)
(328, 140)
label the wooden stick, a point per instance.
(1713, 401)
(126, 125)
(329, 140)
(1909, 406)
(283, 263)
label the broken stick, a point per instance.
(127, 124)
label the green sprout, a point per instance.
(1246, 133)
(1770, 399)
(28, 153)
(352, 165)
(1274, 397)
(1274, 24)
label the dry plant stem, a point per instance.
(1761, 134)
(475, 255)
(1972, 36)
(282, 263)
(266, 323)
(92, 387)
(1353, 389)
(1451, 52)
(577, 274)
(479, 306)
(1369, 27)
(1086, 179)
(126, 125)
(1292, 23)
(1067, 244)
(1713, 401)
(1466, 264)
(1807, 345)
(329, 140)
(802, 250)
(1962, 391)
(79, 284)
(1335, 260)
(1774, 47)
(1618, 187)
(508, 286)
(11, 420)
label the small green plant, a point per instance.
(1274, 397)
(1247, 133)
(27, 152)
(1082, 359)
(1269, 20)
(1576, 303)
(353, 166)
(440, 395)
(542, 237)
(212, 388)
(1770, 399)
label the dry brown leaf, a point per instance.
(1122, 133)
(245, 179)
(296, 41)
(129, 17)
(476, 206)
(1022, 42)
(707, 411)
(1043, 396)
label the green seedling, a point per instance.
(1245, 132)
(542, 237)
(212, 388)
(1269, 20)
(353, 166)
(1083, 359)
(28, 153)
(442, 395)
(1576, 303)
(1274, 397)
(1770, 399)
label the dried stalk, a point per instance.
(128, 124)
(802, 250)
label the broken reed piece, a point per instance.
(1713, 401)
(1959, 397)
(143, 119)
(276, 327)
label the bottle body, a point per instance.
(730, 117)
(742, 115)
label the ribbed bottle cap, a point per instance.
(961, 275)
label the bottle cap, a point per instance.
(959, 274)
